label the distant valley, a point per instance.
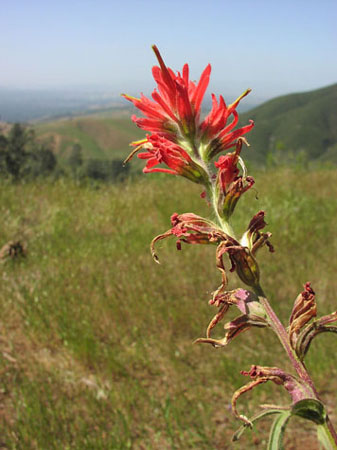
(27, 105)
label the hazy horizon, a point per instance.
(273, 48)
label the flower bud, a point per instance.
(245, 264)
(229, 184)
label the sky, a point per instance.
(273, 47)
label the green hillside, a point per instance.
(102, 136)
(296, 123)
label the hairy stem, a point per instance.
(298, 365)
(223, 223)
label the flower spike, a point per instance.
(179, 142)
(172, 117)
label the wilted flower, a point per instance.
(253, 238)
(191, 229)
(303, 311)
(297, 389)
(300, 331)
(252, 315)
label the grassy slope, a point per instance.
(102, 136)
(305, 121)
(96, 340)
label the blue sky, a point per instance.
(272, 47)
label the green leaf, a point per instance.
(268, 412)
(310, 409)
(325, 438)
(277, 431)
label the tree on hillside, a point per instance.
(22, 155)
(75, 159)
(16, 150)
(3, 146)
(42, 161)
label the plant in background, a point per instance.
(180, 142)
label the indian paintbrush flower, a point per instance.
(178, 137)
(181, 143)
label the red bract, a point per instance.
(228, 170)
(177, 103)
(230, 186)
(215, 131)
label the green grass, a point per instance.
(96, 339)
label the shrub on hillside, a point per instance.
(109, 171)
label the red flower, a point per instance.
(159, 150)
(174, 113)
(176, 107)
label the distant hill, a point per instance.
(305, 122)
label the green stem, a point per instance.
(326, 437)
(223, 223)
(226, 227)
